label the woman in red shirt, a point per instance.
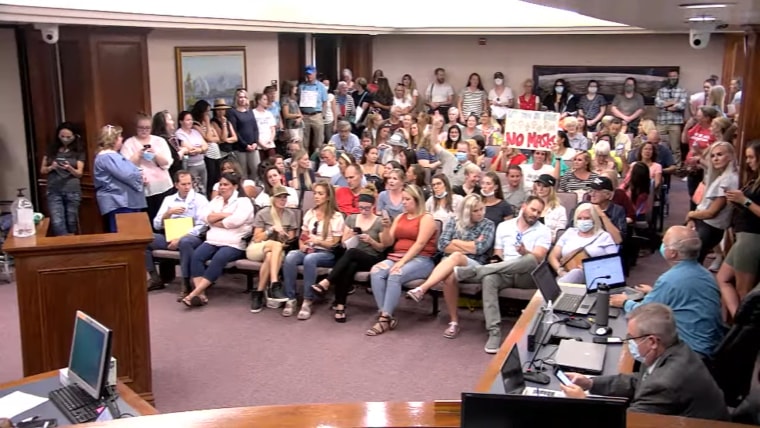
(699, 137)
(528, 100)
(507, 156)
(412, 234)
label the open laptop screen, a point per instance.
(595, 267)
(512, 374)
(546, 282)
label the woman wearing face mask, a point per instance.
(560, 99)
(443, 203)
(586, 239)
(629, 105)
(554, 215)
(713, 214)
(151, 154)
(528, 100)
(497, 209)
(593, 104)
(63, 164)
(192, 140)
(500, 98)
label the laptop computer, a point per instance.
(581, 357)
(564, 300)
(608, 265)
(521, 411)
(512, 381)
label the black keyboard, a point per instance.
(77, 405)
(569, 303)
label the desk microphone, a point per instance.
(532, 374)
(602, 311)
(591, 284)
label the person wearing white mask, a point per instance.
(586, 239)
(672, 379)
(500, 98)
(593, 105)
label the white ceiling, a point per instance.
(661, 15)
(389, 16)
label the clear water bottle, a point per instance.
(23, 216)
(549, 316)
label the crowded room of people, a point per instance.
(381, 215)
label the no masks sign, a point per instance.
(531, 130)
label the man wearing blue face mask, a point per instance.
(456, 170)
(672, 379)
(688, 289)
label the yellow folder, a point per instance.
(177, 227)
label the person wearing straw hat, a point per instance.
(224, 129)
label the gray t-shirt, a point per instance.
(264, 220)
(60, 180)
(628, 106)
(373, 232)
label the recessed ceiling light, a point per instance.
(705, 5)
(702, 19)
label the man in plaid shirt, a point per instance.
(671, 101)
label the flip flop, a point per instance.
(195, 301)
(320, 289)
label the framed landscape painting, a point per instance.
(208, 73)
(610, 78)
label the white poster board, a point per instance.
(531, 130)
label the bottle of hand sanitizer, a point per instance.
(23, 216)
(549, 316)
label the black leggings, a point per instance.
(342, 274)
(710, 237)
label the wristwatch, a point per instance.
(747, 202)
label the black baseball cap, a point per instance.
(546, 179)
(498, 75)
(601, 183)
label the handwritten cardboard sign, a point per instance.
(531, 130)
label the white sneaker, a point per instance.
(715, 265)
(290, 307)
(305, 312)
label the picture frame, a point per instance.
(209, 72)
(611, 79)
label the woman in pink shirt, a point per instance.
(196, 146)
(699, 137)
(150, 153)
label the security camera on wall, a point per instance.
(699, 33)
(49, 33)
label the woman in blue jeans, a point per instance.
(63, 164)
(412, 234)
(230, 220)
(321, 231)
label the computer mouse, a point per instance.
(578, 323)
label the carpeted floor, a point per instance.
(224, 356)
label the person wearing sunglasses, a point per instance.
(672, 379)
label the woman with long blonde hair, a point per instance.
(301, 176)
(716, 98)
(118, 182)
(554, 214)
(321, 231)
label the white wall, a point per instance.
(14, 172)
(260, 53)
(515, 56)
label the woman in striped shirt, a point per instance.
(472, 99)
(579, 177)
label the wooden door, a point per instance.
(291, 49)
(356, 55)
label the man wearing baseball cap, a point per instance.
(312, 100)
(611, 214)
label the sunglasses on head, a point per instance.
(316, 226)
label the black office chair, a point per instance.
(733, 362)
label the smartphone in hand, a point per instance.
(563, 377)
(358, 230)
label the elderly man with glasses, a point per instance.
(672, 379)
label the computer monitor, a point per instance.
(529, 411)
(90, 355)
(611, 265)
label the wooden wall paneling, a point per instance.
(749, 115)
(734, 59)
(356, 55)
(291, 50)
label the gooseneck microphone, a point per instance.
(591, 284)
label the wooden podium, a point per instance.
(102, 275)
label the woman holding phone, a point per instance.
(64, 164)
(361, 237)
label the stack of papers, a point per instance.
(17, 403)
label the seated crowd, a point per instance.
(421, 193)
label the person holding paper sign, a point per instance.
(313, 103)
(361, 237)
(186, 203)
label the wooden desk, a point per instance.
(102, 275)
(125, 393)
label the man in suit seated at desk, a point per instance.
(522, 243)
(688, 289)
(672, 379)
(185, 203)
